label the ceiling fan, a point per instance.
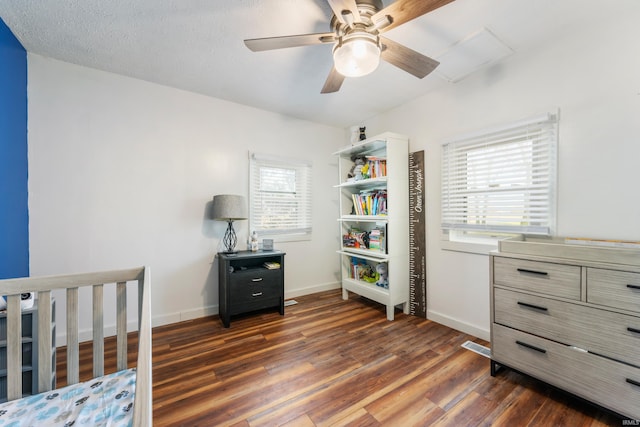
(356, 27)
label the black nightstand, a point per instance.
(246, 284)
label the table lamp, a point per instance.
(229, 207)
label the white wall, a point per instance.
(121, 172)
(593, 77)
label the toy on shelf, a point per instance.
(356, 239)
(254, 242)
(355, 173)
(383, 275)
(362, 135)
(363, 271)
(26, 301)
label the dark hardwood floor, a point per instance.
(330, 362)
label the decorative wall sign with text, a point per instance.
(417, 244)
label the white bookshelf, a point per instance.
(394, 223)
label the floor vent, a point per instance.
(290, 302)
(477, 348)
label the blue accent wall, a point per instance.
(14, 213)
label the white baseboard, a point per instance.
(459, 325)
(215, 309)
(312, 290)
(165, 319)
(87, 334)
(181, 316)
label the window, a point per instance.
(279, 197)
(502, 180)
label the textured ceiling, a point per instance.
(197, 45)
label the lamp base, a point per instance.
(230, 239)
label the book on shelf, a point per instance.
(370, 167)
(271, 265)
(377, 239)
(375, 167)
(370, 202)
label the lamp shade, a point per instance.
(229, 207)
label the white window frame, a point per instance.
(498, 183)
(296, 200)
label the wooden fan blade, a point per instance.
(333, 83)
(339, 8)
(270, 43)
(401, 11)
(407, 59)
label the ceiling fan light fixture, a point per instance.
(357, 54)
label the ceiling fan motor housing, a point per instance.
(366, 9)
(375, 4)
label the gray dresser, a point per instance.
(569, 315)
(30, 354)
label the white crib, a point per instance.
(123, 397)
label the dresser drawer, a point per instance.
(256, 303)
(255, 275)
(254, 285)
(609, 383)
(618, 289)
(543, 277)
(604, 332)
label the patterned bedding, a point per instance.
(105, 401)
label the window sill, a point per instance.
(469, 246)
(282, 238)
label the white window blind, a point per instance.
(279, 196)
(502, 180)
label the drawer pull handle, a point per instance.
(532, 347)
(257, 279)
(634, 382)
(634, 330)
(633, 286)
(539, 273)
(537, 307)
(257, 294)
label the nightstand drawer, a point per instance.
(544, 277)
(254, 276)
(258, 303)
(604, 332)
(612, 384)
(255, 291)
(618, 289)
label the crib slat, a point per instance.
(143, 404)
(98, 331)
(73, 352)
(45, 368)
(14, 347)
(121, 325)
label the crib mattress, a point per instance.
(105, 401)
